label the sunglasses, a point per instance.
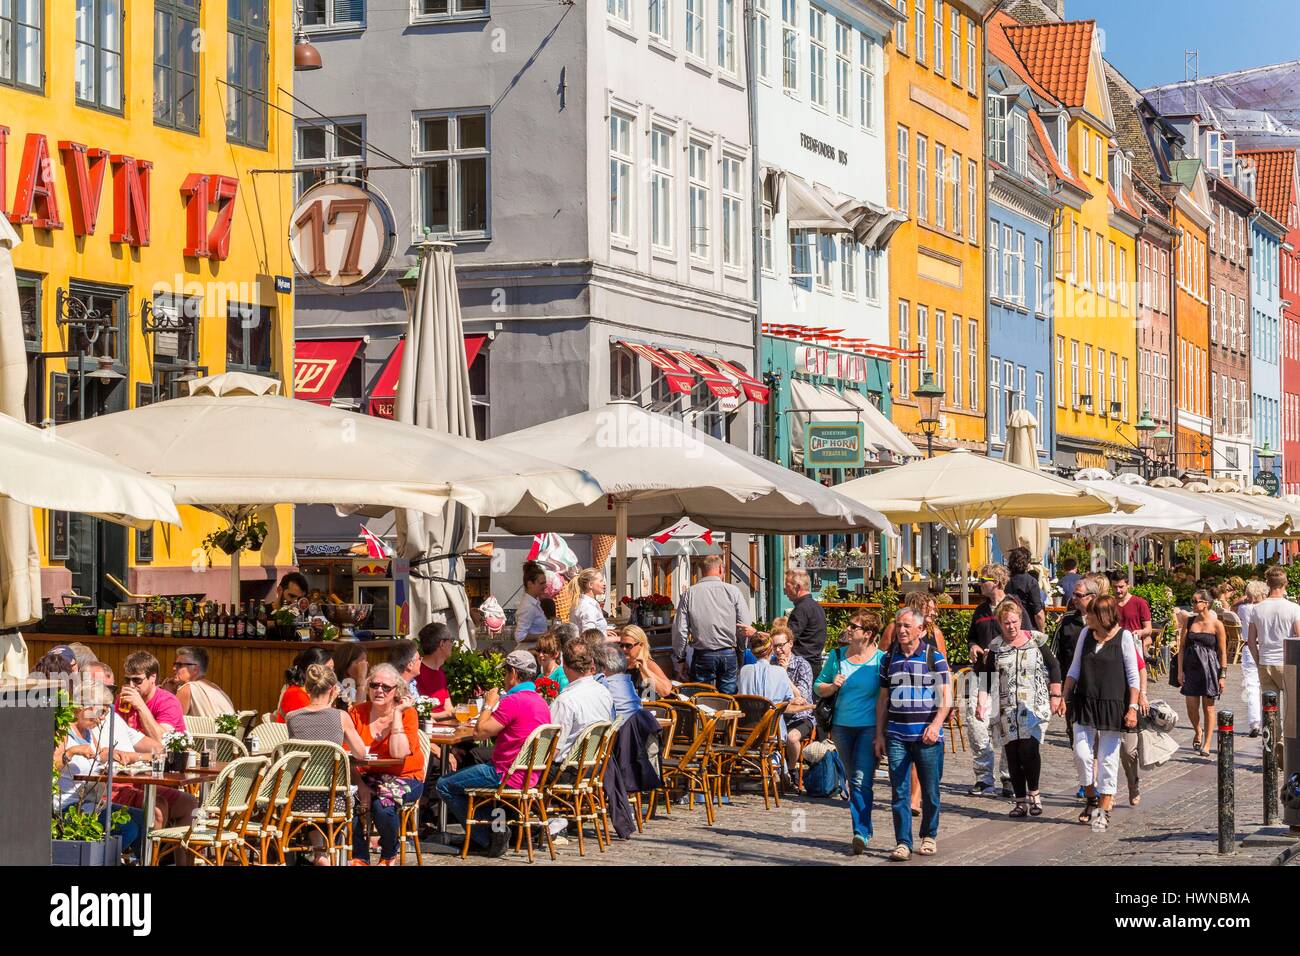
(383, 688)
(781, 645)
(133, 681)
(628, 646)
(176, 665)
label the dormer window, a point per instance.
(997, 128)
(1213, 151)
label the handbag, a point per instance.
(1175, 678)
(824, 711)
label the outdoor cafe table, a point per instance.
(447, 736)
(150, 782)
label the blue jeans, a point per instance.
(856, 747)
(717, 668)
(928, 760)
(451, 790)
(388, 820)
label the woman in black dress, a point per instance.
(1202, 662)
(1023, 586)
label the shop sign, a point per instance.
(833, 445)
(1268, 481)
(341, 235)
(1089, 459)
(829, 363)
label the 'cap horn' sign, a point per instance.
(341, 234)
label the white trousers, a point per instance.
(1250, 689)
(1101, 746)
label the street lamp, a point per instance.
(1144, 426)
(407, 283)
(928, 395)
(1163, 443)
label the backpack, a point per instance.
(826, 778)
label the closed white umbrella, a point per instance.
(235, 445)
(657, 470)
(961, 491)
(1022, 450)
(433, 393)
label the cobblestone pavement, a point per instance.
(1176, 823)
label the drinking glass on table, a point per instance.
(462, 713)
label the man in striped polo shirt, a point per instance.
(915, 697)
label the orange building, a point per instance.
(1193, 437)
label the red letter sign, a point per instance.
(84, 169)
(200, 191)
(224, 190)
(35, 202)
(130, 200)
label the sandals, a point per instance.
(1100, 820)
(1085, 816)
(1196, 743)
(928, 846)
(1035, 805)
(901, 854)
(1019, 810)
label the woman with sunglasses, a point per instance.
(648, 678)
(1202, 663)
(799, 720)
(852, 676)
(389, 727)
(321, 720)
(199, 697)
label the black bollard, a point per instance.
(1270, 757)
(1227, 793)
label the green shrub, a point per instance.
(470, 673)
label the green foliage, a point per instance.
(469, 673)
(1161, 598)
(955, 625)
(228, 724)
(1185, 550)
(76, 824)
(1076, 548)
(1293, 580)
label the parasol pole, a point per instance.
(963, 565)
(1196, 544)
(620, 556)
(234, 577)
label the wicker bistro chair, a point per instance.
(692, 767)
(690, 690)
(1235, 640)
(270, 736)
(955, 722)
(229, 804)
(195, 726)
(665, 711)
(534, 762)
(225, 747)
(753, 756)
(325, 784)
(577, 798)
(246, 721)
(409, 820)
(269, 825)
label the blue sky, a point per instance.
(1146, 38)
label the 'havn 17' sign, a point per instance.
(844, 366)
(341, 235)
(833, 445)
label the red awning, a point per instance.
(754, 390)
(384, 394)
(678, 379)
(319, 367)
(718, 384)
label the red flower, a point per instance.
(548, 688)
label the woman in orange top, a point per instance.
(389, 726)
(292, 695)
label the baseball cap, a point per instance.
(65, 652)
(523, 662)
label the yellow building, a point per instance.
(131, 133)
(934, 91)
(1095, 346)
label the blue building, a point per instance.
(1266, 237)
(1020, 257)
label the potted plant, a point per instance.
(246, 535)
(548, 688)
(424, 708)
(76, 836)
(470, 673)
(178, 745)
(229, 724)
(660, 607)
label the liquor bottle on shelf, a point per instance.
(223, 625)
(178, 619)
(241, 625)
(166, 623)
(139, 620)
(187, 620)
(261, 621)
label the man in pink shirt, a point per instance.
(508, 718)
(146, 706)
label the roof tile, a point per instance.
(1275, 173)
(1057, 55)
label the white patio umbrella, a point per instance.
(1022, 450)
(961, 491)
(657, 470)
(433, 393)
(235, 446)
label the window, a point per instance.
(1087, 258)
(1087, 378)
(1020, 387)
(904, 173)
(623, 379)
(996, 418)
(767, 237)
(1008, 260)
(699, 199)
(995, 261)
(1038, 410)
(997, 128)
(727, 35)
(661, 193)
(802, 252)
(923, 335)
(1114, 382)
(326, 14)
(1099, 162)
(1110, 270)
(1214, 316)
(954, 41)
(922, 177)
(956, 361)
(1060, 371)
(1100, 287)
(849, 266)
(22, 46)
(99, 52)
(659, 25)
(619, 9)
(941, 349)
(972, 204)
(940, 186)
(904, 365)
(695, 27)
(866, 82)
(246, 73)
(1164, 281)
(1018, 152)
(973, 351)
(248, 337)
(733, 212)
(825, 260)
(919, 7)
(938, 37)
(447, 9)
(1019, 264)
(871, 259)
(1084, 151)
(957, 216)
(817, 55)
(1074, 253)
(451, 175)
(175, 63)
(1123, 277)
(971, 62)
(1038, 276)
(843, 67)
(323, 149)
(621, 162)
(1074, 373)
(900, 29)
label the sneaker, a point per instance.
(1006, 788)
(1081, 794)
(979, 789)
(859, 844)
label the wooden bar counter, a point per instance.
(251, 672)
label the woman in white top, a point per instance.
(587, 612)
(530, 619)
(1256, 591)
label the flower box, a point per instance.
(86, 852)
